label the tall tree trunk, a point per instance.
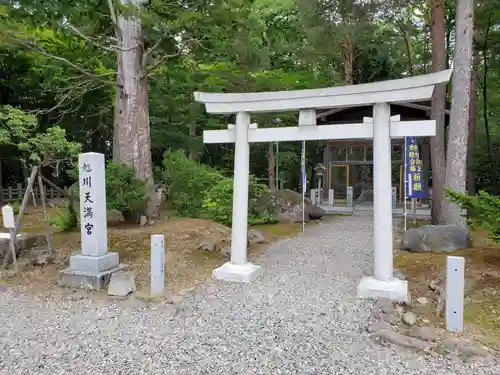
(348, 59)
(271, 166)
(456, 160)
(131, 139)
(485, 103)
(471, 146)
(193, 149)
(437, 143)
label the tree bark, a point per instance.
(456, 160)
(131, 138)
(437, 143)
(193, 150)
(485, 103)
(471, 146)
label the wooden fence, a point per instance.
(12, 194)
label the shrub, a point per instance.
(125, 193)
(65, 220)
(483, 211)
(16, 207)
(187, 182)
(218, 202)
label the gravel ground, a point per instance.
(300, 317)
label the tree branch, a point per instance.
(114, 19)
(37, 48)
(158, 62)
(113, 48)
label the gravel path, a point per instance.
(301, 317)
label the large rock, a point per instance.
(287, 205)
(25, 242)
(446, 238)
(255, 236)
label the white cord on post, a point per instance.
(303, 168)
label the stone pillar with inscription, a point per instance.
(92, 267)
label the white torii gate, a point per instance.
(382, 128)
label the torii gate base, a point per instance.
(382, 129)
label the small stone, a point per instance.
(435, 284)
(42, 260)
(423, 301)
(410, 318)
(424, 333)
(255, 236)
(377, 326)
(207, 245)
(121, 284)
(464, 347)
(226, 252)
(401, 340)
(399, 274)
(393, 319)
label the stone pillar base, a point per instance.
(94, 264)
(79, 279)
(393, 289)
(90, 272)
(240, 273)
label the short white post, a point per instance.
(9, 223)
(157, 264)
(455, 272)
(382, 200)
(394, 198)
(349, 196)
(312, 192)
(331, 197)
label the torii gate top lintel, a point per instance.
(392, 91)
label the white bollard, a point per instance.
(331, 197)
(157, 264)
(313, 196)
(9, 222)
(455, 272)
(349, 198)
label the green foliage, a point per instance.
(15, 125)
(50, 146)
(187, 182)
(16, 207)
(483, 211)
(218, 202)
(124, 193)
(65, 219)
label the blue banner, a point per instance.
(415, 187)
(303, 167)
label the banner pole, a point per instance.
(406, 183)
(303, 169)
